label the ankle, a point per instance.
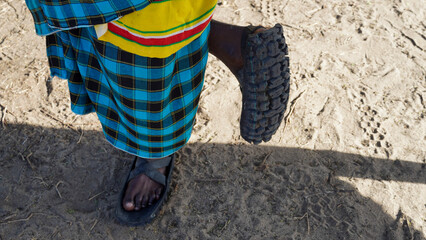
(225, 44)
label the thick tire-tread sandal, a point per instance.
(265, 83)
(146, 214)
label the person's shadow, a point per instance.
(64, 184)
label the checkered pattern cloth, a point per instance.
(146, 106)
(55, 15)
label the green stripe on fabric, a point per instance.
(161, 1)
(136, 30)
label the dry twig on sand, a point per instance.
(54, 233)
(81, 135)
(26, 159)
(306, 215)
(3, 116)
(91, 198)
(211, 180)
(93, 226)
(292, 106)
(42, 181)
(18, 220)
(58, 120)
(57, 190)
(262, 166)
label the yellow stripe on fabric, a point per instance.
(161, 20)
(171, 30)
(165, 18)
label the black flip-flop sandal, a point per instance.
(146, 214)
(265, 83)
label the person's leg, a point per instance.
(174, 128)
(225, 43)
(258, 57)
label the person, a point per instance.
(140, 64)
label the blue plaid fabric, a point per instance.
(146, 106)
(55, 15)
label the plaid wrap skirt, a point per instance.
(146, 106)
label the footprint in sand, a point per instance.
(270, 10)
(374, 136)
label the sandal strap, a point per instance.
(150, 169)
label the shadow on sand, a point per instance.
(63, 184)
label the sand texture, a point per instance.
(348, 162)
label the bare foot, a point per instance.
(142, 191)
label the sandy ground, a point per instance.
(348, 163)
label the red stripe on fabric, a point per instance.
(158, 42)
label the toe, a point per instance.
(138, 202)
(151, 199)
(145, 201)
(128, 201)
(129, 206)
(157, 193)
